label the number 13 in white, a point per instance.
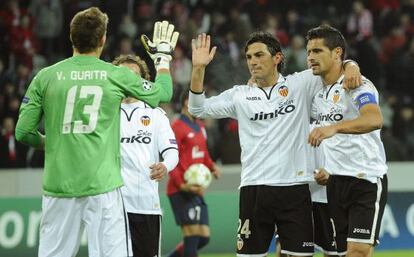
(92, 110)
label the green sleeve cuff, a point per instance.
(33, 138)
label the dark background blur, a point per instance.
(34, 34)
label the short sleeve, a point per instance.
(365, 94)
(311, 83)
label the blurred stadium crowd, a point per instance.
(380, 35)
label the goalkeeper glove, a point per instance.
(163, 43)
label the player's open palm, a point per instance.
(202, 55)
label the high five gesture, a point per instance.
(201, 57)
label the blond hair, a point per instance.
(143, 67)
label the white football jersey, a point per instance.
(273, 127)
(145, 134)
(362, 155)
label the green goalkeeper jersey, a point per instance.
(79, 99)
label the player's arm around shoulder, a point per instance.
(30, 114)
(305, 81)
(352, 75)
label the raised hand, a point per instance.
(202, 55)
(163, 44)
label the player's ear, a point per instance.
(103, 40)
(278, 58)
(338, 51)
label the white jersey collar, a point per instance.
(138, 104)
(338, 81)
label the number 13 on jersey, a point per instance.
(91, 109)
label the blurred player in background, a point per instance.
(145, 135)
(349, 135)
(79, 99)
(187, 201)
(274, 118)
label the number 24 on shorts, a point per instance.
(244, 229)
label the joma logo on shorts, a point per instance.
(307, 244)
(361, 231)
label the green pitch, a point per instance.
(405, 253)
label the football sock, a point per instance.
(203, 241)
(178, 252)
(190, 246)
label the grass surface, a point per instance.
(407, 253)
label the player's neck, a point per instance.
(129, 100)
(186, 113)
(269, 81)
(96, 53)
(333, 75)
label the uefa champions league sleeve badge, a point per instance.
(146, 85)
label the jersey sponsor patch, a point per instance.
(25, 100)
(365, 98)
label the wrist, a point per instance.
(335, 128)
(162, 61)
(199, 67)
(196, 91)
(184, 187)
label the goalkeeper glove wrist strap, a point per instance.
(162, 61)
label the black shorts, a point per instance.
(262, 208)
(323, 229)
(145, 234)
(356, 207)
(189, 209)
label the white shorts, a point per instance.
(64, 220)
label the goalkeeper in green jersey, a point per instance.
(79, 99)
